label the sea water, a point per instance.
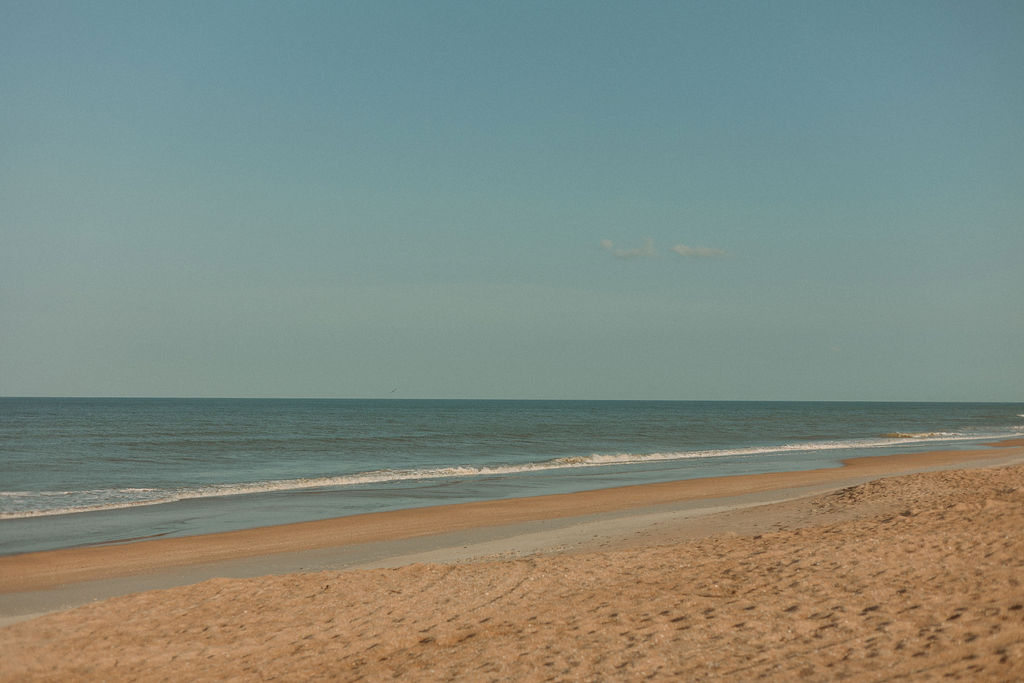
(88, 471)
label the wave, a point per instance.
(113, 499)
(918, 435)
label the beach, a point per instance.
(891, 566)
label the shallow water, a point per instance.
(83, 471)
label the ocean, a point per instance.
(77, 471)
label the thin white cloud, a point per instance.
(646, 251)
(698, 252)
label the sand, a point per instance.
(914, 575)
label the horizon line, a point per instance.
(496, 399)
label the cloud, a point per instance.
(646, 251)
(698, 252)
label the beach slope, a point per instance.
(917, 575)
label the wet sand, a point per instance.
(817, 574)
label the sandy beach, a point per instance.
(889, 567)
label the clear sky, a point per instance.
(629, 200)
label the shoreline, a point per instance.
(914, 576)
(41, 582)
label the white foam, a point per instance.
(920, 435)
(391, 475)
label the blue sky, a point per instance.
(649, 200)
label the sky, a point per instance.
(558, 200)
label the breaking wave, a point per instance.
(22, 504)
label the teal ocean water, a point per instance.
(88, 471)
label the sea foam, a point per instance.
(23, 504)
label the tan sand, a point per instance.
(916, 576)
(41, 570)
